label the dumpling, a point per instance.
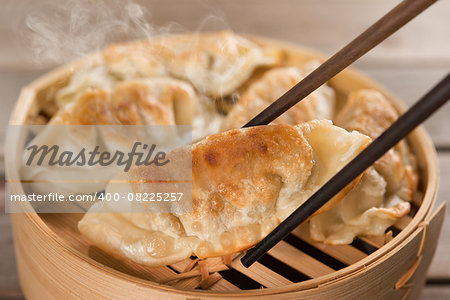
(216, 64)
(156, 101)
(152, 101)
(381, 197)
(69, 178)
(91, 77)
(364, 211)
(244, 183)
(134, 60)
(162, 101)
(370, 113)
(273, 84)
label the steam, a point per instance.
(63, 31)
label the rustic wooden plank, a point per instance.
(317, 24)
(440, 266)
(409, 44)
(9, 281)
(11, 295)
(10, 85)
(299, 260)
(436, 292)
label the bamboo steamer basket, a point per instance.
(54, 260)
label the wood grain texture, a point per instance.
(325, 25)
(436, 292)
(440, 267)
(9, 283)
(299, 260)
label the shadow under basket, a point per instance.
(55, 261)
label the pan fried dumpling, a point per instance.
(134, 60)
(364, 211)
(162, 101)
(152, 101)
(381, 197)
(156, 101)
(85, 79)
(245, 182)
(150, 239)
(45, 178)
(273, 84)
(370, 113)
(215, 63)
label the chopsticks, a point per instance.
(419, 112)
(375, 34)
(379, 31)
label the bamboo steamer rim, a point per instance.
(419, 139)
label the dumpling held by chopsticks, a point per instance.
(382, 196)
(244, 183)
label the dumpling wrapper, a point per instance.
(216, 63)
(273, 84)
(155, 101)
(88, 78)
(152, 101)
(245, 182)
(364, 211)
(161, 100)
(383, 194)
(370, 113)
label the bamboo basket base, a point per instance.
(296, 259)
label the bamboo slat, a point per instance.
(299, 260)
(344, 253)
(262, 274)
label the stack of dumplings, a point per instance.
(244, 181)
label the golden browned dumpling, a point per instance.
(366, 210)
(88, 78)
(369, 112)
(137, 102)
(151, 101)
(154, 101)
(244, 183)
(381, 197)
(216, 64)
(273, 84)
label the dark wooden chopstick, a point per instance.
(375, 34)
(427, 105)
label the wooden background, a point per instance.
(408, 63)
